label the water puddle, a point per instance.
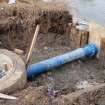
(92, 10)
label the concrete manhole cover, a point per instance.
(12, 71)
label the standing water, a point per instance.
(92, 10)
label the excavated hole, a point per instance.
(58, 35)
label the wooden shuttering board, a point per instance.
(84, 38)
(97, 36)
(102, 47)
(78, 37)
(94, 34)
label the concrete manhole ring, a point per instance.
(6, 66)
(12, 71)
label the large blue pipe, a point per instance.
(87, 51)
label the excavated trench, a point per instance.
(77, 83)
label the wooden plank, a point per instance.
(102, 53)
(33, 43)
(96, 33)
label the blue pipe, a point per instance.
(87, 51)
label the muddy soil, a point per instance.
(47, 87)
(18, 22)
(52, 40)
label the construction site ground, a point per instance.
(53, 87)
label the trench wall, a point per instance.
(18, 22)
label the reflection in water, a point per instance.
(93, 10)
